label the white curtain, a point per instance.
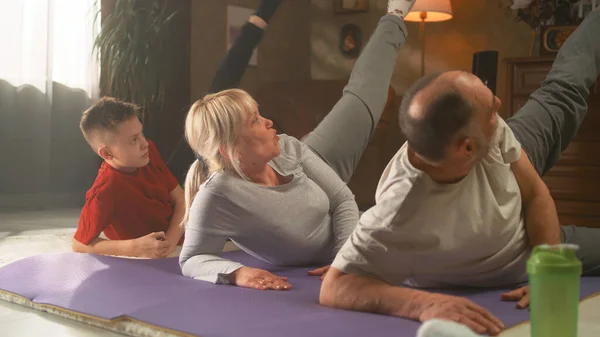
(45, 41)
(48, 77)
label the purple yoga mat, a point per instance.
(155, 292)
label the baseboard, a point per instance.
(42, 200)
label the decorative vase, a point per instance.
(534, 49)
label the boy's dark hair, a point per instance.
(106, 115)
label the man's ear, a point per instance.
(105, 153)
(466, 146)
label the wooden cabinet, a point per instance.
(574, 182)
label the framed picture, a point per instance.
(350, 6)
(350, 40)
(236, 18)
(553, 37)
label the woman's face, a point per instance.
(257, 142)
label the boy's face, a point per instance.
(127, 149)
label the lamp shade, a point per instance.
(436, 10)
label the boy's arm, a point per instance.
(96, 215)
(153, 245)
(176, 196)
(176, 229)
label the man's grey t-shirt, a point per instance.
(425, 234)
(303, 222)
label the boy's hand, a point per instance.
(153, 245)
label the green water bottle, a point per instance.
(554, 273)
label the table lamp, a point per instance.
(428, 11)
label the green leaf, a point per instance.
(135, 48)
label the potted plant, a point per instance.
(540, 15)
(134, 48)
(537, 13)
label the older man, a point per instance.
(462, 202)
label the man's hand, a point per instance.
(258, 279)
(460, 310)
(319, 272)
(153, 245)
(521, 296)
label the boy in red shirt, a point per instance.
(135, 200)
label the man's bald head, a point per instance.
(435, 111)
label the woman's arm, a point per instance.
(207, 230)
(342, 204)
(205, 235)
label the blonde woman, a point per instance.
(281, 200)
(229, 74)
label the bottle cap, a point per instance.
(560, 258)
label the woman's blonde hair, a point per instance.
(212, 125)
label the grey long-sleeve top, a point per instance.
(303, 222)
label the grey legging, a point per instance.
(341, 138)
(547, 123)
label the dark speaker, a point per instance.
(485, 66)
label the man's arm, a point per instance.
(176, 229)
(355, 279)
(153, 245)
(541, 218)
(354, 292)
(372, 254)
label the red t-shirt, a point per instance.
(128, 205)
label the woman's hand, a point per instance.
(258, 279)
